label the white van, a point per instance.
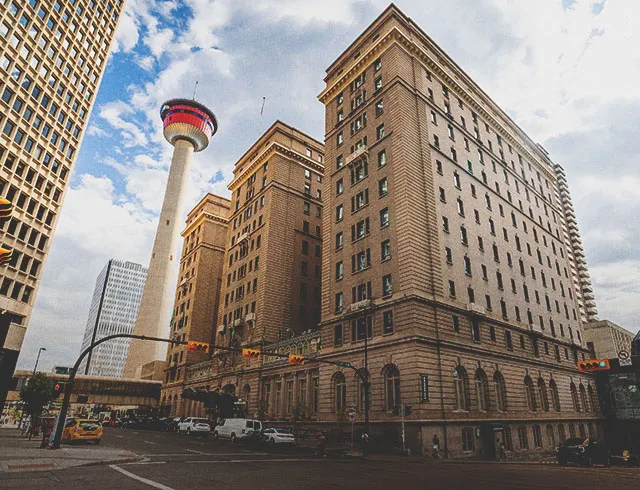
(235, 429)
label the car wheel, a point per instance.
(233, 438)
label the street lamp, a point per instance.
(38, 359)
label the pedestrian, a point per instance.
(322, 446)
(436, 447)
(365, 444)
(502, 454)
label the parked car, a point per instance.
(625, 459)
(582, 451)
(193, 426)
(82, 430)
(237, 429)
(278, 436)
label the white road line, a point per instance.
(268, 460)
(149, 442)
(200, 453)
(121, 437)
(196, 452)
(151, 483)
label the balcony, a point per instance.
(250, 317)
(476, 308)
(360, 153)
(237, 322)
(360, 305)
(221, 328)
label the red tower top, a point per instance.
(187, 119)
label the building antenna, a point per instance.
(261, 114)
(195, 90)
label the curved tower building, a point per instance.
(188, 126)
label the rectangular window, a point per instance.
(424, 387)
(385, 247)
(387, 318)
(387, 287)
(455, 323)
(337, 335)
(384, 217)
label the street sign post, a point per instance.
(624, 358)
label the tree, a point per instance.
(35, 394)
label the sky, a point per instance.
(566, 71)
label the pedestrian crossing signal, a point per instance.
(591, 365)
(251, 353)
(6, 255)
(194, 346)
(296, 359)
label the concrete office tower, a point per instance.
(51, 64)
(188, 126)
(198, 291)
(114, 308)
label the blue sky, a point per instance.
(563, 70)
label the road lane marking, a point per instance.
(151, 483)
(121, 437)
(200, 453)
(196, 452)
(149, 442)
(268, 460)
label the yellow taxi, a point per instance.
(82, 430)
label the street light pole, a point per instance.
(38, 359)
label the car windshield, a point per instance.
(574, 441)
(89, 425)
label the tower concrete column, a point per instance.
(188, 126)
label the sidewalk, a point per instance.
(20, 454)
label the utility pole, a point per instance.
(38, 359)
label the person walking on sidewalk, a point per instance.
(365, 444)
(502, 454)
(436, 447)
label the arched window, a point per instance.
(501, 391)
(340, 392)
(555, 398)
(542, 393)
(583, 398)
(562, 435)
(537, 436)
(574, 398)
(572, 430)
(461, 383)
(593, 398)
(530, 394)
(361, 390)
(482, 390)
(551, 437)
(581, 430)
(392, 387)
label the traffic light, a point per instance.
(6, 254)
(296, 359)
(5, 209)
(195, 346)
(343, 364)
(58, 389)
(591, 365)
(251, 353)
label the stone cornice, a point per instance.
(204, 216)
(396, 37)
(268, 152)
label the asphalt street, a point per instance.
(181, 462)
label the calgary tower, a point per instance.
(188, 126)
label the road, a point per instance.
(181, 462)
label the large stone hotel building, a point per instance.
(447, 243)
(52, 57)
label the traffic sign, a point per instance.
(624, 358)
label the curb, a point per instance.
(111, 461)
(527, 463)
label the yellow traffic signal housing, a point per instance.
(591, 365)
(195, 346)
(5, 255)
(6, 207)
(296, 359)
(251, 353)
